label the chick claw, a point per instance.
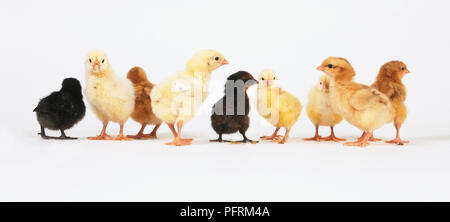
(121, 138)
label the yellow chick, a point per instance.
(320, 112)
(111, 97)
(143, 113)
(278, 107)
(362, 106)
(176, 99)
(389, 82)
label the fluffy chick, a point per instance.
(176, 99)
(61, 110)
(362, 106)
(389, 82)
(233, 117)
(278, 107)
(320, 112)
(111, 97)
(143, 113)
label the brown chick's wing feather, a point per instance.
(365, 98)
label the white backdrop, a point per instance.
(43, 42)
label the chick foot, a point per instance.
(273, 137)
(316, 138)
(180, 142)
(121, 138)
(333, 138)
(101, 137)
(219, 141)
(397, 141)
(245, 141)
(371, 138)
(362, 142)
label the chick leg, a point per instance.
(371, 139)
(332, 137)
(274, 136)
(64, 137)
(103, 135)
(140, 134)
(397, 139)
(316, 137)
(177, 141)
(220, 140)
(121, 136)
(245, 140)
(286, 136)
(362, 142)
(42, 134)
(152, 135)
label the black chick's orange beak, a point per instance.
(321, 68)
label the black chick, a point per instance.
(232, 117)
(61, 110)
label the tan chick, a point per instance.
(143, 113)
(389, 82)
(278, 107)
(362, 106)
(320, 112)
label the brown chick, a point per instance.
(389, 82)
(360, 105)
(143, 113)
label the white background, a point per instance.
(43, 42)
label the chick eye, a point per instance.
(403, 68)
(217, 58)
(262, 78)
(320, 83)
(90, 61)
(274, 78)
(103, 60)
(330, 66)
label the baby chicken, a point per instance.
(320, 112)
(278, 107)
(176, 99)
(230, 118)
(142, 106)
(362, 106)
(111, 97)
(61, 110)
(389, 82)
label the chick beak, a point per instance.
(321, 68)
(96, 64)
(407, 71)
(224, 62)
(326, 85)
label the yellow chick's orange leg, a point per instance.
(177, 141)
(140, 134)
(121, 136)
(274, 136)
(371, 139)
(332, 137)
(152, 135)
(286, 136)
(362, 142)
(316, 137)
(397, 139)
(103, 135)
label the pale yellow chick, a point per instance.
(278, 107)
(176, 99)
(360, 105)
(320, 112)
(111, 97)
